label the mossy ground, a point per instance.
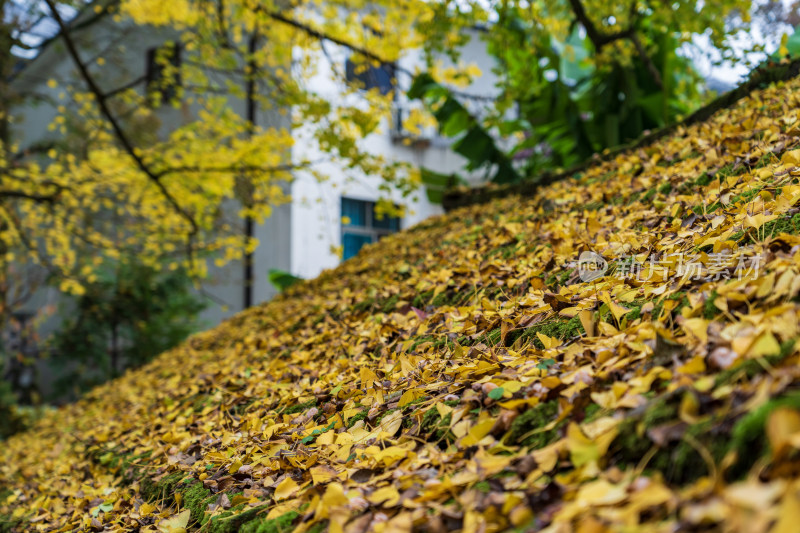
(788, 224)
(748, 437)
(750, 368)
(243, 518)
(559, 328)
(451, 296)
(159, 490)
(526, 428)
(679, 462)
(436, 428)
(556, 280)
(9, 524)
(709, 309)
(700, 448)
(437, 342)
(196, 498)
(567, 329)
(361, 415)
(299, 408)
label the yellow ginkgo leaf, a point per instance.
(286, 489)
(176, 523)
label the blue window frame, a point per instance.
(369, 76)
(363, 226)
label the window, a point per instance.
(366, 76)
(361, 226)
(163, 73)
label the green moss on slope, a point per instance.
(281, 524)
(527, 427)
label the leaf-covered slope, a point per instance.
(461, 375)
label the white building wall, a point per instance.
(316, 207)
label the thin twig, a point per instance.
(308, 30)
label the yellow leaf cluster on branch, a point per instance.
(120, 176)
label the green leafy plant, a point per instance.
(475, 143)
(282, 280)
(10, 420)
(125, 318)
(559, 104)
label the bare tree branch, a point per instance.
(40, 147)
(221, 26)
(130, 85)
(600, 39)
(43, 198)
(233, 168)
(311, 32)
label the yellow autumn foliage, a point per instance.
(123, 179)
(444, 379)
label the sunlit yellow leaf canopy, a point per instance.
(124, 181)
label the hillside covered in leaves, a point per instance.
(462, 375)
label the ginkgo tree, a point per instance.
(167, 171)
(112, 182)
(113, 186)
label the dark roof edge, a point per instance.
(461, 196)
